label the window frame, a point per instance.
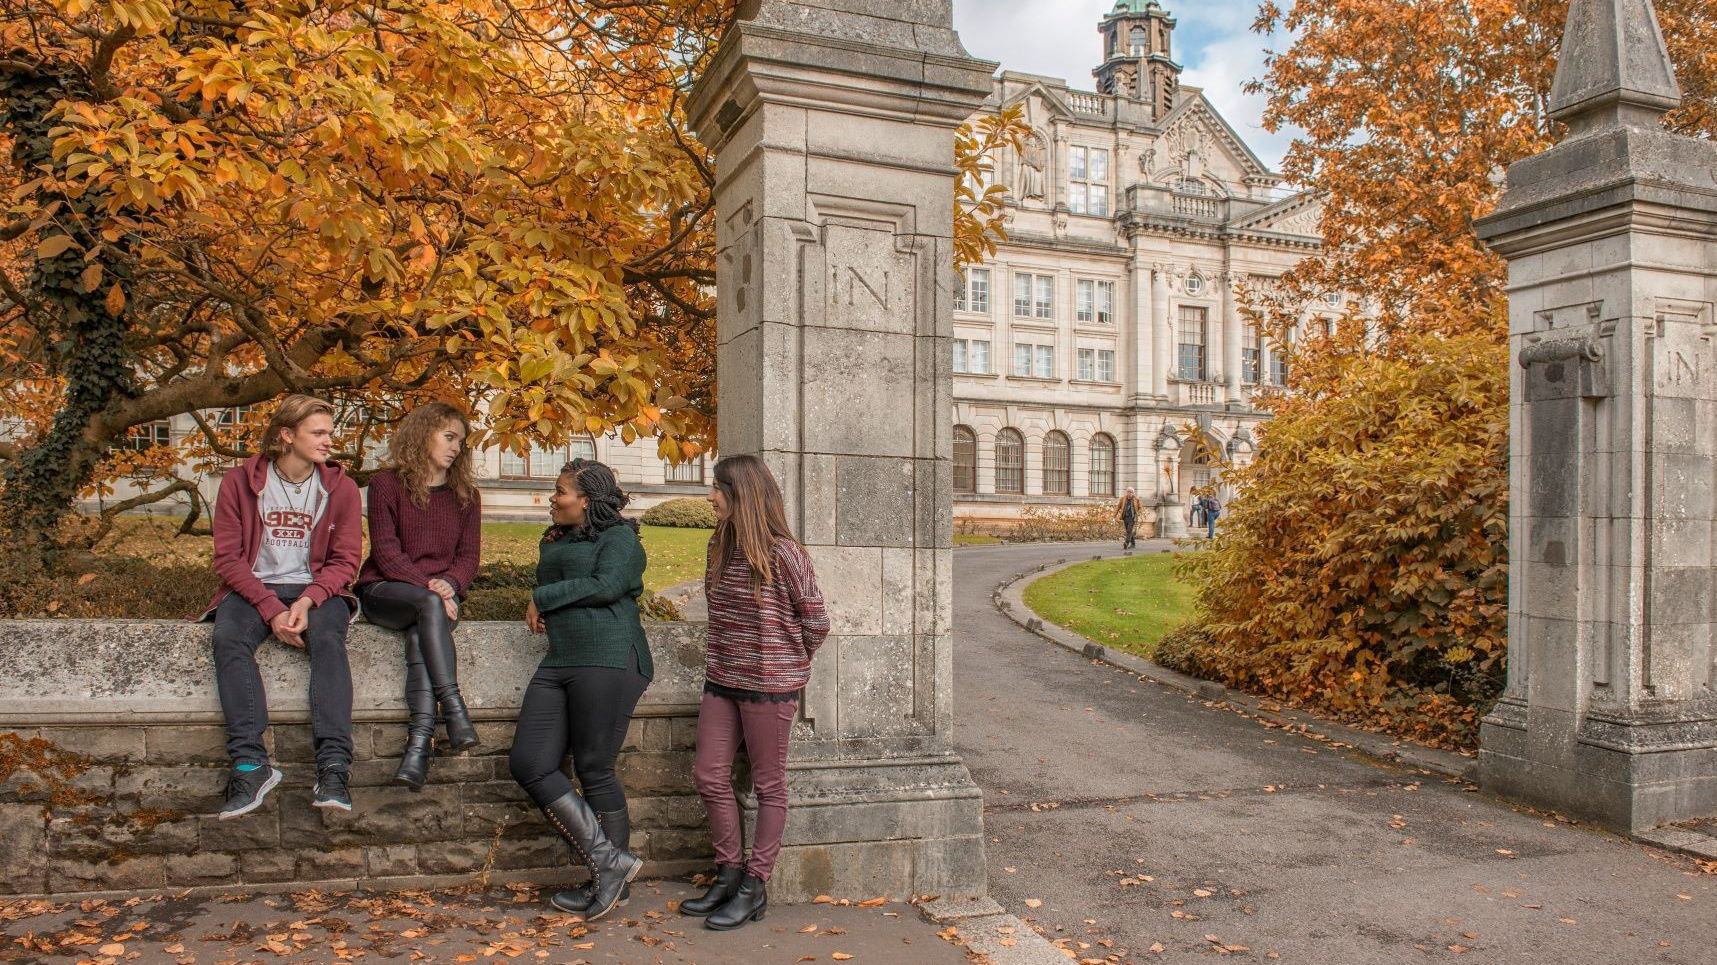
(1102, 478)
(1091, 199)
(1057, 463)
(1199, 368)
(1009, 440)
(965, 473)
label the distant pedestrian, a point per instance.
(288, 538)
(590, 573)
(766, 620)
(1128, 510)
(425, 530)
(1212, 512)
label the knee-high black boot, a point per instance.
(611, 866)
(435, 636)
(420, 733)
(617, 826)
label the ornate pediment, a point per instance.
(1302, 214)
(1197, 143)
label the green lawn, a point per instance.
(1127, 603)
(676, 555)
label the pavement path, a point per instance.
(1151, 826)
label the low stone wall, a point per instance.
(112, 765)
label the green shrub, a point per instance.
(684, 513)
(502, 590)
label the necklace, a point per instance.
(297, 488)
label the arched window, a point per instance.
(1136, 41)
(1102, 465)
(1010, 461)
(965, 460)
(1057, 473)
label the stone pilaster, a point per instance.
(1162, 336)
(1230, 339)
(1610, 713)
(833, 123)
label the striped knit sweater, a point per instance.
(764, 643)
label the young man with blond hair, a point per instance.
(288, 541)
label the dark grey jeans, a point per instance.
(239, 630)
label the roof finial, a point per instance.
(1614, 69)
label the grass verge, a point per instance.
(1128, 603)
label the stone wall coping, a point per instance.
(162, 671)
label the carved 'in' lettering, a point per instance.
(855, 280)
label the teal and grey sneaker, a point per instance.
(246, 789)
(331, 790)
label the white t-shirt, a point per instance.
(289, 513)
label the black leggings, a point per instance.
(583, 711)
(431, 662)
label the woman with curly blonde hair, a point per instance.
(425, 529)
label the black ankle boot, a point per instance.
(414, 763)
(727, 878)
(617, 827)
(461, 733)
(611, 867)
(747, 905)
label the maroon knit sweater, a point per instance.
(763, 642)
(411, 545)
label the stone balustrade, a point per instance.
(129, 710)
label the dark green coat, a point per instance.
(587, 593)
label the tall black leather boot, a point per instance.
(611, 867)
(617, 827)
(747, 905)
(435, 636)
(727, 879)
(420, 733)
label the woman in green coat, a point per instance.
(590, 573)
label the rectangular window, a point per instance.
(1191, 358)
(1087, 365)
(1105, 365)
(1088, 181)
(1034, 295)
(690, 471)
(1278, 369)
(978, 357)
(1034, 361)
(1096, 301)
(972, 293)
(148, 435)
(515, 466)
(1251, 356)
(959, 355)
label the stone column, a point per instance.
(1139, 334)
(1609, 713)
(1230, 339)
(833, 123)
(1162, 337)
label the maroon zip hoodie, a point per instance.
(336, 541)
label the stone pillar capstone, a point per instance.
(1611, 237)
(833, 124)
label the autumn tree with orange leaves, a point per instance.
(214, 202)
(1362, 569)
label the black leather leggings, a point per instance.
(431, 663)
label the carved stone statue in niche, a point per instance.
(1033, 159)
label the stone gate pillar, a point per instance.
(833, 122)
(1611, 239)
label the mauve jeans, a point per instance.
(764, 728)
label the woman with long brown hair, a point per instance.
(425, 530)
(766, 619)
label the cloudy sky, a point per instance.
(1058, 38)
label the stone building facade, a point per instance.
(1103, 346)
